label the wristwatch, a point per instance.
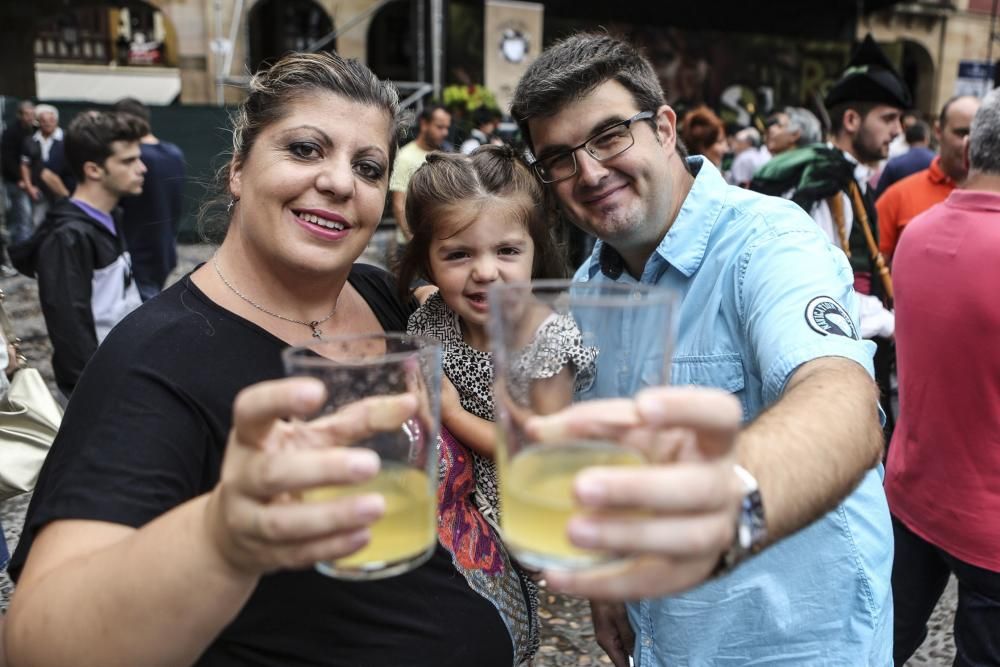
(751, 528)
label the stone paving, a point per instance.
(567, 633)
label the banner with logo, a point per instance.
(513, 35)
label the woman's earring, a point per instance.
(232, 203)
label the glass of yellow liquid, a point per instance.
(555, 343)
(357, 367)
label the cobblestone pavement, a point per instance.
(567, 633)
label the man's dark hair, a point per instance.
(837, 113)
(917, 133)
(573, 67)
(89, 137)
(427, 114)
(132, 106)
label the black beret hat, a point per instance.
(869, 77)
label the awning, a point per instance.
(106, 84)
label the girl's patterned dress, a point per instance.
(471, 535)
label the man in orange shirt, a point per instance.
(915, 194)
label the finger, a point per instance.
(681, 537)
(301, 555)
(639, 578)
(714, 414)
(300, 521)
(626, 633)
(257, 407)
(270, 473)
(602, 419)
(366, 417)
(674, 488)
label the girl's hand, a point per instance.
(257, 519)
(13, 362)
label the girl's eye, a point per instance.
(510, 251)
(305, 150)
(372, 171)
(452, 256)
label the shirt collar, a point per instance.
(976, 200)
(936, 174)
(684, 245)
(56, 135)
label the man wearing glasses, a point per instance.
(775, 449)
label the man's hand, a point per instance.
(674, 517)
(612, 630)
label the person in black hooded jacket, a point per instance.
(84, 272)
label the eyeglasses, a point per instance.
(608, 143)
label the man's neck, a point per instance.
(843, 142)
(982, 182)
(635, 258)
(149, 139)
(424, 145)
(96, 196)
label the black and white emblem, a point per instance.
(827, 317)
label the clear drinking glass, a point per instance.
(553, 343)
(357, 367)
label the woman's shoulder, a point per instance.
(378, 288)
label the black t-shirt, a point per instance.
(146, 431)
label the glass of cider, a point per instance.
(555, 343)
(357, 367)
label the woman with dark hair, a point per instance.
(167, 526)
(704, 134)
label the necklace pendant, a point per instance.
(316, 332)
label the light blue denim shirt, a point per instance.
(763, 293)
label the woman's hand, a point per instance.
(256, 517)
(13, 360)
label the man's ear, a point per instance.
(966, 147)
(666, 126)
(92, 171)
(852, 121)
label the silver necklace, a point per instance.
(314, 325)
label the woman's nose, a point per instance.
(336, 178)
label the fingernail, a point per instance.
(370, 506)
(363, 463)
(589, 490)
(309, 391)
(650, 406)
(582, 533)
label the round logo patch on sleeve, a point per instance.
(827, 317)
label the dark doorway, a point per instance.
(392, 48)
(280, 26)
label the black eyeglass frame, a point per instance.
(537, 165)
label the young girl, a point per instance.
(479, 220)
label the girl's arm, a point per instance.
(474, 432)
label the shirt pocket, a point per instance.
(722, 371)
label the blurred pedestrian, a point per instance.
(943, 473)
(18, 199)
(792, 127)
(749, 156)
(487, 120)
(151, 219)
(704, 134)
(913, 195)
(78, 255)
(43, 188)
(917, 157)
(433, 125)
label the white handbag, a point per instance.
(29, 421)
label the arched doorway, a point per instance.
(918, 72)
(392, 49)
(279, 26)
